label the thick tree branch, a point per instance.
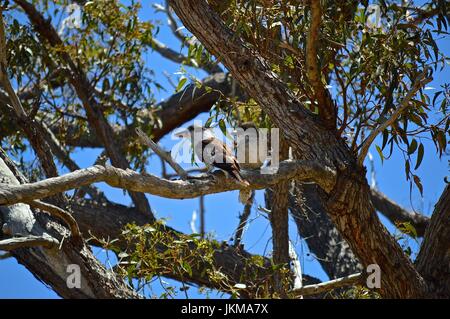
(396, 213)
(433, 260)
(277, 203)
(51, 266)
(147, 183)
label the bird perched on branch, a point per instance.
(214, 153)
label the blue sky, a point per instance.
(222, 210)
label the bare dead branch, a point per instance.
(148, 183)
(28, 242)
(58, 213)
(161, 153)
(329, 285)
(419, 82)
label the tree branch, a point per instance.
(58, 213)
(419, 82)
(433, 260)
(325, 104)
(329, 285)
(83, 89)
(132, 181)
(163, 154)
(395, 213)
(28, 242)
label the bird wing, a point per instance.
(214, 151)
(219, 155)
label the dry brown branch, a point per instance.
(28, 242)
(161, 153)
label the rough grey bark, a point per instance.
(51, 265)
(433, 260)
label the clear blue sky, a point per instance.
(222, 210)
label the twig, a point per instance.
(163, 154)
(188, 171)
(202, 215)
(329, 285)
(243, 218)
(174, 25)
(420, 81)
(326, 107)
(59, 213)
(27, 242)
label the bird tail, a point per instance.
(244, 194)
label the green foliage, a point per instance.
(369, 56)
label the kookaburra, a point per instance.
(214, 153)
